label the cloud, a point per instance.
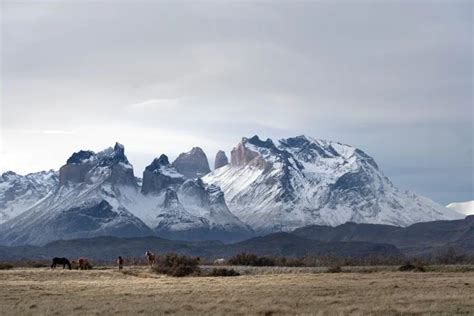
(394, 78)
(48, 132)
(158, 104)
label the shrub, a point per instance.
(6, 266)
(288, 262)
(334, 269)
(249, 259)
(223, 272)
(411, 267)
(176, 265)
(35, 264)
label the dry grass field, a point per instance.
(137, 291)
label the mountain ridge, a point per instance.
(266, 187)
(300, 180)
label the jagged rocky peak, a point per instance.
(308, 149)
(19, 192)
(195, 190)
(193, 164)
(86, 166)
(80, 157)
(159, 175)
(221, 160)
(171, 199)
(9, 175)
(250, 151)
(313, 181)
(216, 196)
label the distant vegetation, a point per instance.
(249, 259)
(176, 265)
(412, 267)
(6, 266)
(223, 272)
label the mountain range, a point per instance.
(430, 239)
(265, 187)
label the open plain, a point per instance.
(136, 290)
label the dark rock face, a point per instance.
(160, 175)
(80, 164)
(171, 199)
(192, 164)
(195, 190)
(221, 160)
(74, 173)
(80, 156)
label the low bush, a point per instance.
(6, 266)
(176, 265)
(288, 262)
(334, 269)
(35, 264)
(411, 267)
(223, 272)
(250, 259)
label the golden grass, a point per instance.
(137, 291)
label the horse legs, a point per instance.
(53, 266)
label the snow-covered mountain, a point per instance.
(85, 203)
(18, 193)
(301, 181)
(466, 208)
(97, 194)
(180, 208)
(266, 187)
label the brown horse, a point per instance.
(83, 264)
(151, 257)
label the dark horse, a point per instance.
(61, 261)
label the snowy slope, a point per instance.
(466, 208)
(179, 208)
(97, 194)
(266, 187)
(18, 193)
(86, 203)
(301, 181)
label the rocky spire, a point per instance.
(192, 164)
(221, 160)
(160, 175)
(84, 164)
(241, 155)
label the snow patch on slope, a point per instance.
(304, 181)
(466, 208)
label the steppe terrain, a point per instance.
(41, 291)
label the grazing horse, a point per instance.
(61, 261)
(151, 257)
(84, 264)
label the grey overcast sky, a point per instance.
(393, 78)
